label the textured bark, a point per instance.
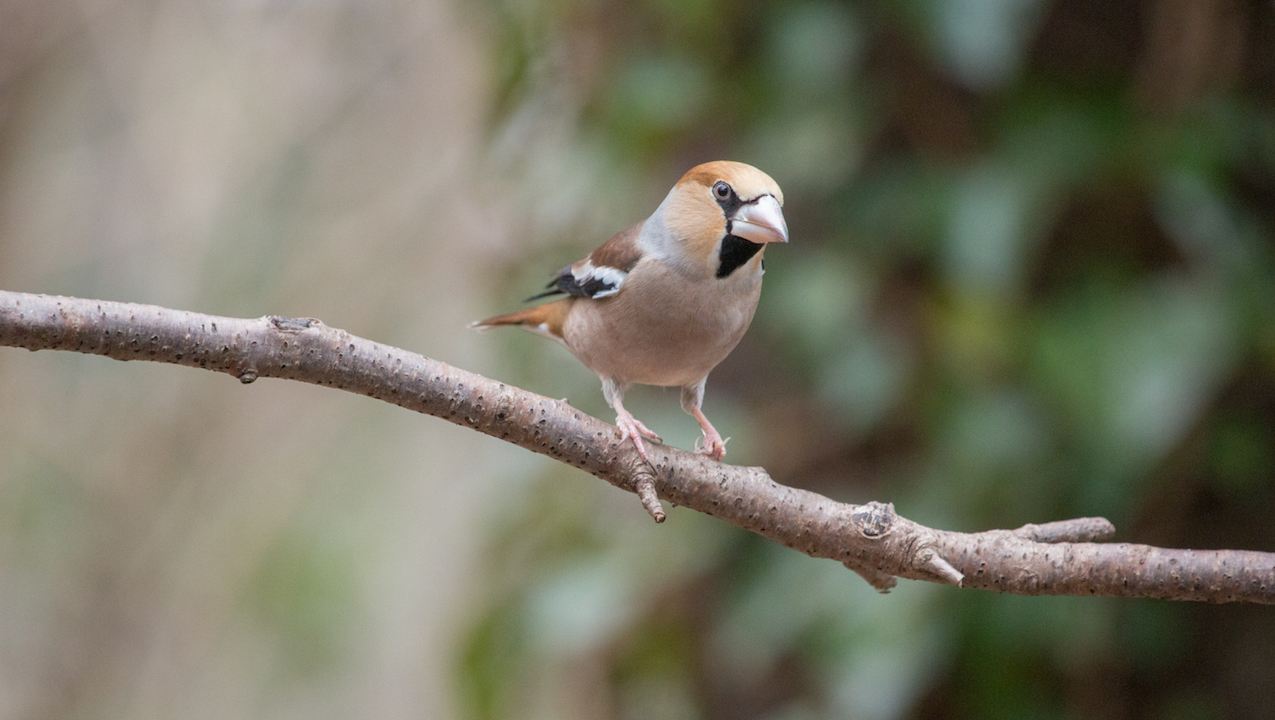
(1052, 559)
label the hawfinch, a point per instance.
(665, 301)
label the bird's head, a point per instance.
(722, 209)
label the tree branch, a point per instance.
(871, 539)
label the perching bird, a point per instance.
(665, 301)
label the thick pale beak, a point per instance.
(760, 221)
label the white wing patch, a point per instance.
(597, 281)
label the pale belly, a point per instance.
(674, 338)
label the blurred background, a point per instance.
(1032, 277)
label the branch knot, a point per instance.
(874, 519)
(287, 324)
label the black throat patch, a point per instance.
(735, 252)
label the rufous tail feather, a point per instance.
(544, 319)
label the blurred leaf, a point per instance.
(988, 236)
(656, 94)
(301, 591)
(814, 47)
(982, 41)
(491, 662)
(1133, 371)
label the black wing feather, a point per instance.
(566, 284)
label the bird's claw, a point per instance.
(647, 432)
(632, 428)
(713, 445)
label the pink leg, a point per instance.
(714, 445)
(631, 427)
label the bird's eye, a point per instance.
(721, 190)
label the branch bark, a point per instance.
(1057, 558)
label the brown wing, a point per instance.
(601, 273)
(620, 252)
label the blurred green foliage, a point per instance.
(1032, 277)
(299, 595)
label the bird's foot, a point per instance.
(714, 446)
(631, 427)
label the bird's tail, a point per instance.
(544, 319)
